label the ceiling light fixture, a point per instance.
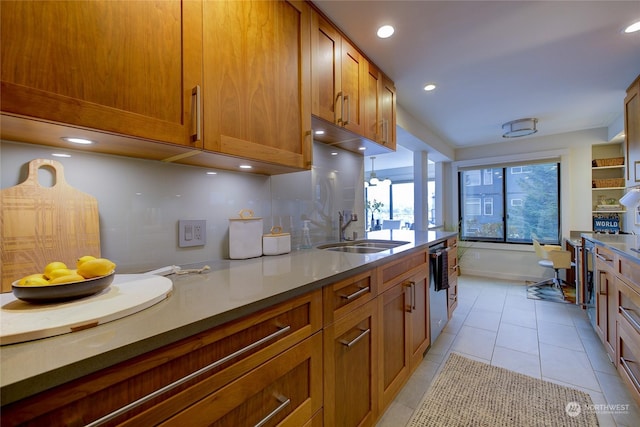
(246, 167)
(520, 127)
(429, 87)
(635, 27)
(385, 31)
(373, 179)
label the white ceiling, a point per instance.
(566, 63)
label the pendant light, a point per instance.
(373, 179)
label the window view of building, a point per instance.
(511, 204)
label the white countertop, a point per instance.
(231, 289)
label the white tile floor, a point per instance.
(497, 324)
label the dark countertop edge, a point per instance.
(41, 383)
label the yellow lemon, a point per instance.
(96, 268)
(67, 279)
(36, 281)
(53, 266)
(84, 259)
(59, 272)
(31, 276)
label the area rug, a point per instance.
(471, 393)
(547, 292)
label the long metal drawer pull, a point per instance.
(196, 93)
(602, 258)
(187, 378)
(356, 294)
(284, 402)
(629, 317)
(627, 368)
(356, 339)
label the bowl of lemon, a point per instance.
(58, 282)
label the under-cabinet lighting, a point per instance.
(212, 173)
(73, 140)
(60, 155)
(246, 167)
(319, 132)
(362, 148)
(334, 153)
(635, 27)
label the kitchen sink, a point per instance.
(368, 246)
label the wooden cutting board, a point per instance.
(128, 294)
(40, 224)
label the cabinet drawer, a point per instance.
(285, 391)
(631, 271)
(605, 256)
(345, 295)
(628, 350)
(398, 270)
(220, 355)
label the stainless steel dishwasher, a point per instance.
(437, 294)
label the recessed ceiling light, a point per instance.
(60, 155)
(334, 153)
(362, 148)
(429, 87)
(74, 140)
(385, 31)
(212, 173)
(633, 27)
(319, 132)
(245, 166)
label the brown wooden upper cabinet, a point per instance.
(224, 77)
(632, 131)
(123, 67)
(257, 99)
(338, 77)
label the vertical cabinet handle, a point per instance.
(196, 97)
(385, 131)
(602, 283)
(284, 402)
(346, 100)
(412, 303)
(335, 109)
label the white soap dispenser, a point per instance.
(306, 237)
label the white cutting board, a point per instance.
(128, 294)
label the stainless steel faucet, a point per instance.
(345, 218)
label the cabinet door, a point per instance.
(387, 105)
(605, 311)
(326, 77)
(351, 352)
(126, 67)
(419, 318)
(256, 90)
(373, 127)
(393, 306)
(353, 67)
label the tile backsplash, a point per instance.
(141, 201)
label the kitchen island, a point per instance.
(232, 290)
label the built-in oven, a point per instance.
(589, 277)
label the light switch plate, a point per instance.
(192, 232)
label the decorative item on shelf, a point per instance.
(373, 179)
(609, 204)
(609, 224)
(607, 183)
(520, 127)
(614, 161)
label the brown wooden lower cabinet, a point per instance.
(628, 335)
(285, 391)
(351, 368)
